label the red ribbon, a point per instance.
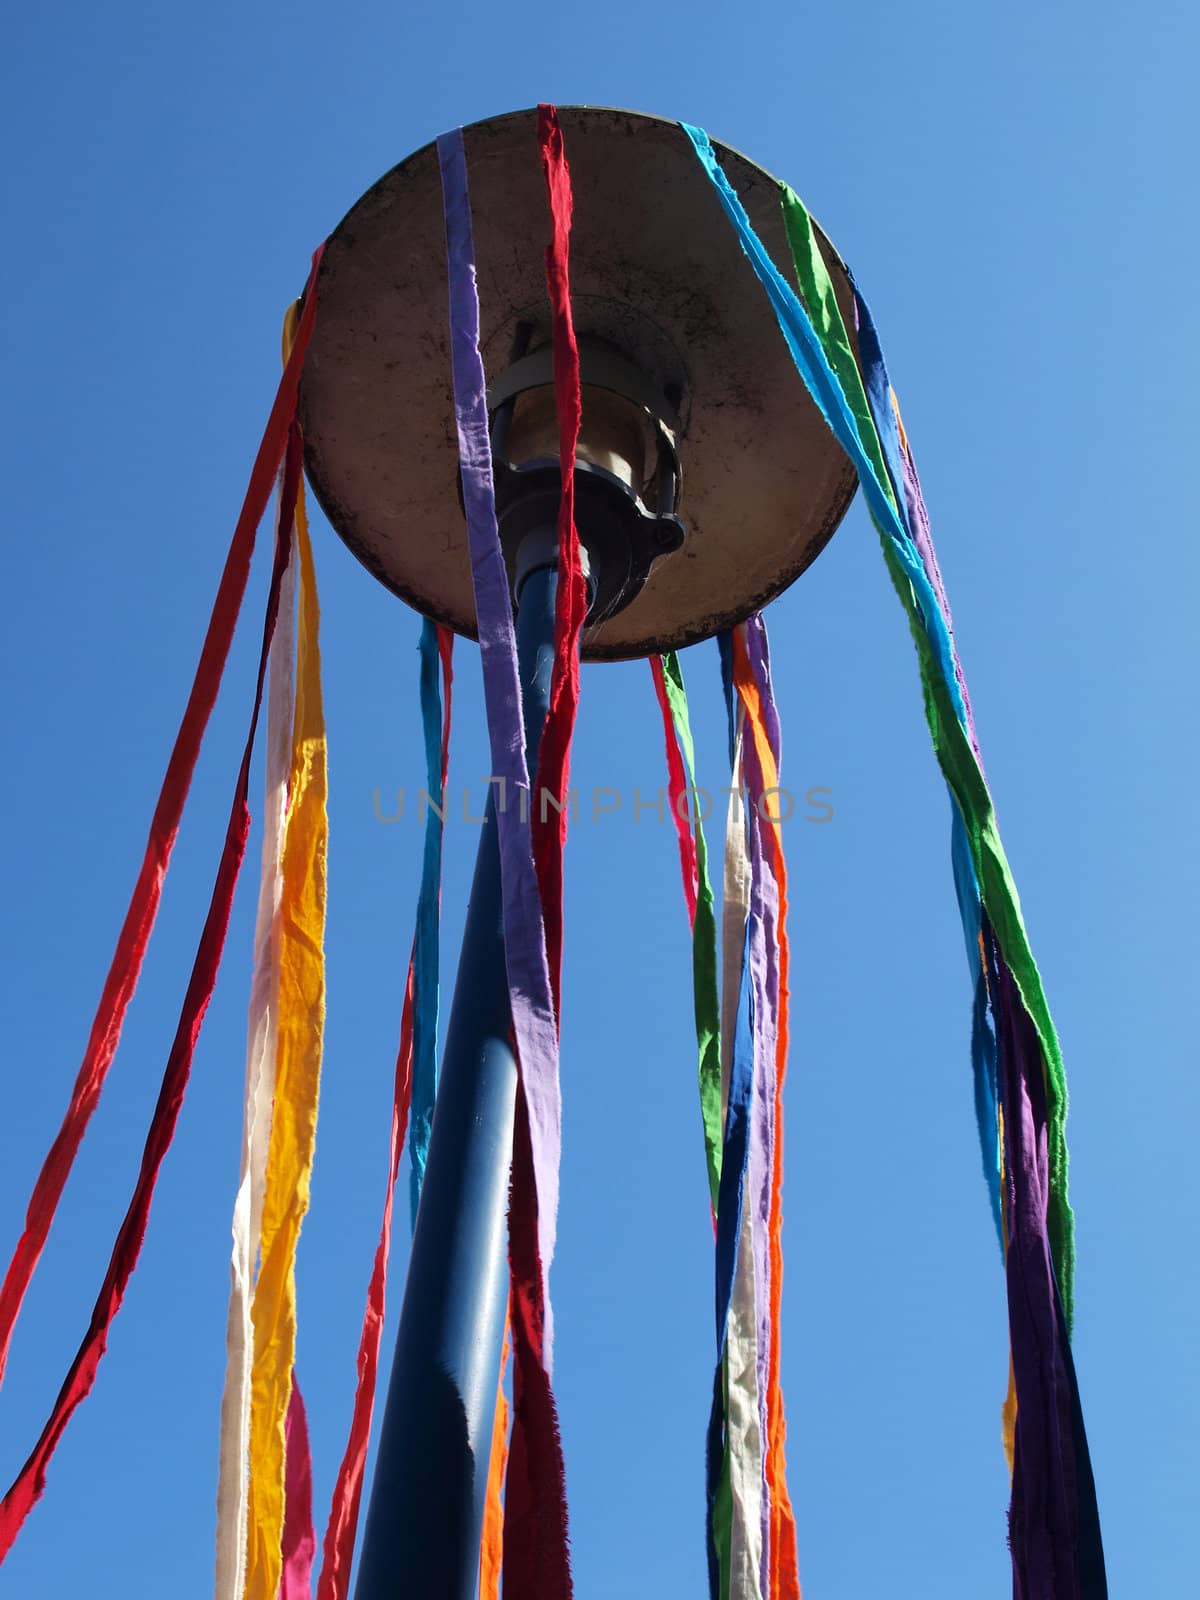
(554, 757)
(676, 793)
(536, 1558)
(537, 1561)
(31, 1480)
(143, 906)
(299, 1540)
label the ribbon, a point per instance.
(300, 1029)
(966, 883)
(436, 645)
(524, 933)
(945, 707)
(693, 856)
(1054, 1522)
(554, 752)
(342, 1527)
(31, 1480)
(752, 681)
(677, 788)
(735, 902)
(883, 424)
(535, 1555)
(736, 1135)
(491, 1544)
(233, 1475)
(299, 1540)
(744, 1401)
(536, 1559)
(736, 1432)
(751, 1530)
(1018, 1001)
(135, 932)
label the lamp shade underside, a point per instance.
(658, 276)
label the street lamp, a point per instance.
(706, 481)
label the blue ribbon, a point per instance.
(426, 941)
(889, 514)
(822, 384)
(966, 884)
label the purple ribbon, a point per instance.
(524, 929)
(1054, 1527)
(765, 990)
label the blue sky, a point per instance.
(1012, 187)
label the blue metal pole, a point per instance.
(426, 1509)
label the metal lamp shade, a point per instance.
(658, 276)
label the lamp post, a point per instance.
(705, 483)
(426, 1508)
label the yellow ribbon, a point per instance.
(233, 1482)
(300, 1027)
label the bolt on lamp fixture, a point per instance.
(626, 470)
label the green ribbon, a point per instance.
(706, 1001)
(952, 747)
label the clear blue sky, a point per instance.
(1014, 189)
